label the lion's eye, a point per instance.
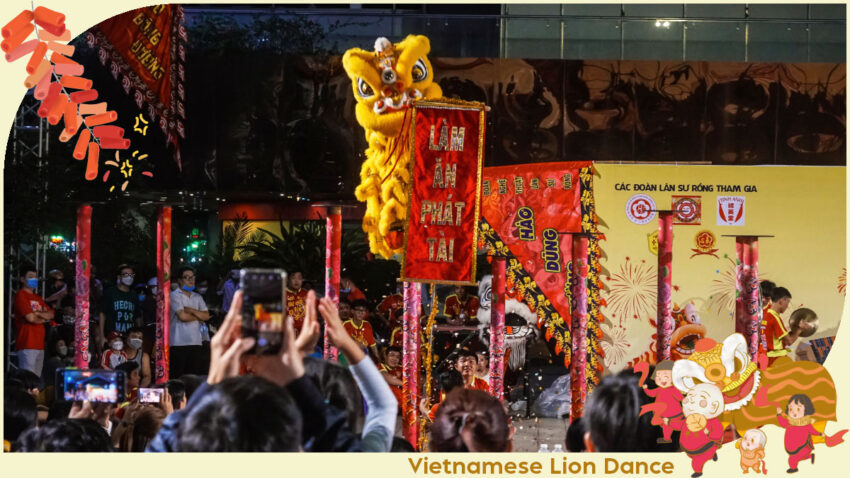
(364, 90)
(420, 71)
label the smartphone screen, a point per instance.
(106, 386)
(263, 308)
(151, 395)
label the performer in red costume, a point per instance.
(797, 422)
(667, 409)
(701, 429)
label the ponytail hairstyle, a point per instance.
(470, 421)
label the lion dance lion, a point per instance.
(386, 82)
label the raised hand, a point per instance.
(228, 345)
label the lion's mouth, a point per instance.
(685, 337)
(389, 104)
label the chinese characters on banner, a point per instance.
(442, 220)
(145, 50)
(529, 206)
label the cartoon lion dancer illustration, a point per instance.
(751, 446)
(667, 408)
(800, 435)
(701, 429)
(386, 82)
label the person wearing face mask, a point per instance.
(57, 290)
(349, 291)
(134, 352)
(31, 313)
(58, 356)
(120, 309)
(188, 312)
(115, 356)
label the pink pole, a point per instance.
(578, 329)
(410, 362)
(497, 330)
(163, 296)
(665, 285)
(83, 273)
(333, 243)
(747, 307)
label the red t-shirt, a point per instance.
(354, 294)
(479, 384)
(295, 307)
(397, 339)
(29, 336)
(454, 307)
(362, 335)
(389, 306)
(774, 331)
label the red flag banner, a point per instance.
(441, 233)
(145, 49)
(529, 206)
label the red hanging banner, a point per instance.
(441, 233)
(145, 49)
(529, 206)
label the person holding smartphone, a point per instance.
(188, 311)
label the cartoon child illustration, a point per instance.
(667, 408)
(701, 429)
(751, 446)
(797, 422)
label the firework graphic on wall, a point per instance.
(632, 291)
(842, 281)
(723, 287)
(722, 298)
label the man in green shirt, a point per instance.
(120, 310)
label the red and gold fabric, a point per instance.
(147, 48)
(296, 307)
(361, 334)
(453, 307)
(479, 384)
(397, 337)
(442, 218)
(389, 306)
(774, 332)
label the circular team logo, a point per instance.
(705, 240)
(640, 209)
(687, 210)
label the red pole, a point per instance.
(83, 276)
(664, 319)
(333, 243)
(163, 296)
(747, 308)
(410, 362)
(578, 329)
(497, 330)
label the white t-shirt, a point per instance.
(185, 333)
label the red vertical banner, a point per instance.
(747, 306)
(82, 356)
(578, 327)
(410, 362)
(441, 234)
(497, 330)
(333, 241)
(665, 323)
(163, 296)
(147, 48)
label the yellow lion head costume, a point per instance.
(386, 82)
